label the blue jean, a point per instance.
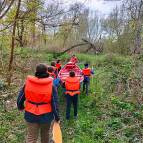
(86, 86)
(71, 100)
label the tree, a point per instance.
(135, 10)
(13, 43)
(5, 7)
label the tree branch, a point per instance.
(8, 8)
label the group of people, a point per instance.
(39, 98)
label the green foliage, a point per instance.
(115, 123)
(103, 116)
(12, 129)
(2, 85)
(121, 104)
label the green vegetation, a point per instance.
(111, 113)
(37, 31)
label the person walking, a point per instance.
(58, 65)
(53, 65)
(38, 98)
(87, 72)
(56, 81)
(74, 59)
(72, 86)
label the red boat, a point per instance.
(70, 66)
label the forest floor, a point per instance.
(112, 113)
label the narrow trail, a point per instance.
(70, 127)
(103, 116)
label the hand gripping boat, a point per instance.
(70, 66)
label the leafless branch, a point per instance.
(8, 8)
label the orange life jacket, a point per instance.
(58, 65)
(38, 93)
(86, 71)
(72, 85)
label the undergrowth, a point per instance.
(111, 113)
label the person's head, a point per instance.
(41, 71)
(73, 55)
(72, 74)
(53, 64)
(58, 61)
(50, 69)
(86, 65)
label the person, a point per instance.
(74, 59)
(38, 98)
(87, 72)
(72, 86)
(53, 65)
(51, 72)
(56, 81)
(58, 65)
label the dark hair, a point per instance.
(72, 74)
(53, 64)
(50, 69)
(86, 64)
(41, 71)
(58, 61)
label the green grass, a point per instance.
(12, 128)
(105, 116)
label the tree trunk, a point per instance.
(34, 28)
(137, 49)
(33, 35)
(13, 44)
(20, 31)
(44, 34)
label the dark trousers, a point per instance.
(71, 100)
(86, 87)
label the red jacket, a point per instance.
(58, 65)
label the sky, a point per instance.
(104, 7)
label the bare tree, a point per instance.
(135, 10)
(4, 8)
(13, 44)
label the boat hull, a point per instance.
(64, 72)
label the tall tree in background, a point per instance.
(33, 6)
(114, 27)
(13, 43)
(135, 10)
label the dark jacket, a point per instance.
(45, 118)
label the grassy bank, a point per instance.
(112, 113)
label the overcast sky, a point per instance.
(104, 7)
